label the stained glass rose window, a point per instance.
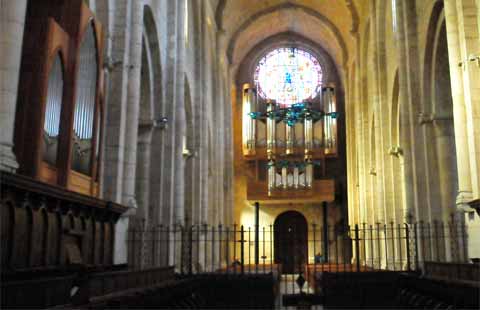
(288, 76)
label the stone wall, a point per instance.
(411, 114)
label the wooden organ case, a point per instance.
(287, 147)
(60, 100)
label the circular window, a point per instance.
(288, 76)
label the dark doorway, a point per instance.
(291, 241)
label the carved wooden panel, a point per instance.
(45, 226)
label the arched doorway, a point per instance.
(290, 233)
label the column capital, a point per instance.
(463, 199)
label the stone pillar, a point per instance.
(463, 42)
(169, 164)
(180, 119)
(142, 175)
(470, 46)
(416, 178)
(116, 95)
(459, 105)
(229, 153)
(11, 38)
(133, 103)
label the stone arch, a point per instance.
(290, 240)
(285, 39)
(145, 127)
(157, 109)
(437, 116)
(219, 13)
(287, 6)
(433, 27)
(149, 146)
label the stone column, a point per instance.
(142, 175)
(470, 46)
(133, 104)
(11, 38)
(180, 119)
(168, 164)
(229, 192)
(416, 178)
(463, 42)
(116, 95)
(459, 110)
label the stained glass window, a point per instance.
(288, 76)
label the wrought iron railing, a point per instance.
(236, 249)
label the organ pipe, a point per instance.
(249, 126)
(271, 129)
(271, 175)
(330, 122)
(308, 134)
(333, 119)
(84, 112)
(308, 173)
(284, 178)
(53, 109)
(289, 137)
(295, 177)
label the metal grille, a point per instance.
(236, 249)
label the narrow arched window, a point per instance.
(51, 123)
(84, 112)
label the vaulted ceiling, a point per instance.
(329, 23)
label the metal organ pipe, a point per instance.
(329, 119)
(308, 133)
(54, 99)
(249, 124)
(295, 177)
(308, 174)
(271, 175)
(53, 109)
(326, 118)
(333, 119)
(85, 102)
(289, 137)
(284, 178)
(86, 88)
(271, 129)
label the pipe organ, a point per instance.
(60, 108)
(293, 156)
(330, 120)
(85, 105)
(249, 126)
(51, 125)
